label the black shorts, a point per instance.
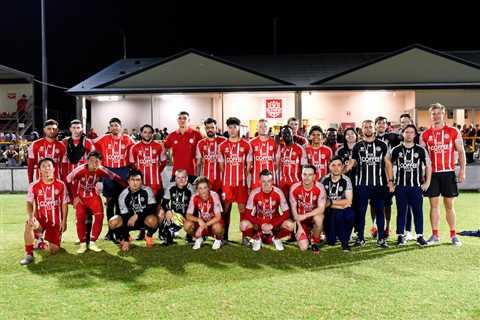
(443, 183)
(139, 224)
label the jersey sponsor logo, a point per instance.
(370, 160)
(438, 148)
(210, 157)
(415, 155)
(408, 166)
(48, 204)
(115, 157)
(147, 161)
(446, 135)
(263, 158)
(288, 162)
(233, 159)
(378, 148)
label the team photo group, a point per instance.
(288, 187)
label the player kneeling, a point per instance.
(47, 205)
(137, 210)
(262, 220)
(204, 215)
(307, 200)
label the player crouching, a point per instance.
(204, 215)
(262, 220)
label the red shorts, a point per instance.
(208, 232)
(235, 194)
(52, 233)
(285, 187)
(93, 204)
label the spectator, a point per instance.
(11, 155)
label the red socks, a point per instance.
(452, 233)
(435, 232)
(29, 249)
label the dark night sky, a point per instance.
(83, 36)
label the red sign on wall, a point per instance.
(273, 108)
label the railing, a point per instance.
(25, 117)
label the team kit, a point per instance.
(286, 187)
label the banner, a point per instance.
(273, 108)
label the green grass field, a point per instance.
(439, 282)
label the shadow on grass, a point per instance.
(178, 266)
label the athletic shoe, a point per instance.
(198, 243)
(216, 244)
(149, 241)
(141, 235)
(246, 242)
(433, 240)
(315, 248)
(408, 236)
(83, 248)
(77, 242)
(359, 243)
(421, 242)
(382, 244)
(27, 260)
(346, 248)
(456, 242)
(373, 232)
(93, 246)
(257, 244)
(278, 244)
(401, 241)
(40, 244)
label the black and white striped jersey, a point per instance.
(336, 190)
(409, 163)
(345, 153)
(370, 158)
(139, 202)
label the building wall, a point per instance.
(15, 92)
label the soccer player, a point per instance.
(373, 181)
(317, 153)
(204, 215)
(441, 142)
(307, 202)
(47, 147)
(174, 207)
(182, 144)
(47, 208)
(113, 147)
(207, 155)
(290, 158)
(264, 150)
(77, 147)
(410, 158)
(293, 124)
(266, 213)
(235, 164)
(340, 214)
(83, 180)
(137, 210)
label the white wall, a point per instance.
(10, 105)
(449, 98)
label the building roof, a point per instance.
(10, 75)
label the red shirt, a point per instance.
(263, 154)
(206, 209)
(440, 145)
(67, 166)
(319, 157)
(264, 207)
(208, 150)
(48, 199)
(150, 159)
(301, 140)
(184, 147)
(234, 156)
(306, 201)
(40, 149)
(291, 159)
(114, 150)
(82, 182)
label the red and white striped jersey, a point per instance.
(82, 182)
(41, 149)
(208, 152)
(68, 166)
(291, 158)
(440, 145)
(234, 156)
(264, 207)
(150, 159)
(306, 201)
(48, 199)
(114, 150)
(319, 157)
(263, 156)
(205, 209)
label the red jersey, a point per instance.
(82, 182)
(42, 148)
(150, 159)
(234, 156)
(263, 156)
(114, 150)
(205, 209)
(48, 200)
(67, 165)
(306, 201)
(319, 157)
(291, 158)
(184, 147)
(208, 151)
(301, 140)
(264, 207)
(440, 145)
